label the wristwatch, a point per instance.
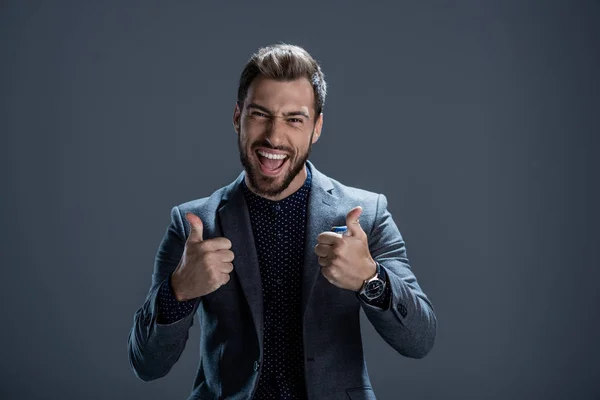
(374, 286)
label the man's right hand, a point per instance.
(205, 265)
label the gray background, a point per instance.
(477, 119)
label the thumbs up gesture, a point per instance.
(205, 265)
(346, 260)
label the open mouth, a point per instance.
(271, 166)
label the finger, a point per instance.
(323, 261)
(322, 250)
(226, 279)
(225, 255)
(354, 228)
(328, 238)
(197, 232)
(326, 272)
(196, 227)
(216, 244)
(225, 268)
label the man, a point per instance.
(277, 293)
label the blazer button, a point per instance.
(256, 365)
(402, 309)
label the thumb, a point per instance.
(196, 227)
(354, 228)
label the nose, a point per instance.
(275, 132)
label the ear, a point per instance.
(237, 113)
(318, 127)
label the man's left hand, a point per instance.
(345, 260)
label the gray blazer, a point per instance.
(231, 318)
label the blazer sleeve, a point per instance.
(409, 323)
(154, 348)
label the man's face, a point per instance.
(277, 117)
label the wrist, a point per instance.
(375, 286)
(371, 275)
(176, 288)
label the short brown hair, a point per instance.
(284, 62)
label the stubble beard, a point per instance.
(266, 185)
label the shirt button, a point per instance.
(277, 207)
(279, 281)
(256, 365)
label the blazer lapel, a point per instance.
(236, 226)
(320, 217)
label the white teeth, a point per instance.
(272, 156)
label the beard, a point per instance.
(269, 186)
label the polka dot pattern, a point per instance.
(169, 308)
(279, 229)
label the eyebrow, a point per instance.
(287, 114)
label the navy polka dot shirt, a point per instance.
(279, 229)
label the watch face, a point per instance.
(374, 289)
